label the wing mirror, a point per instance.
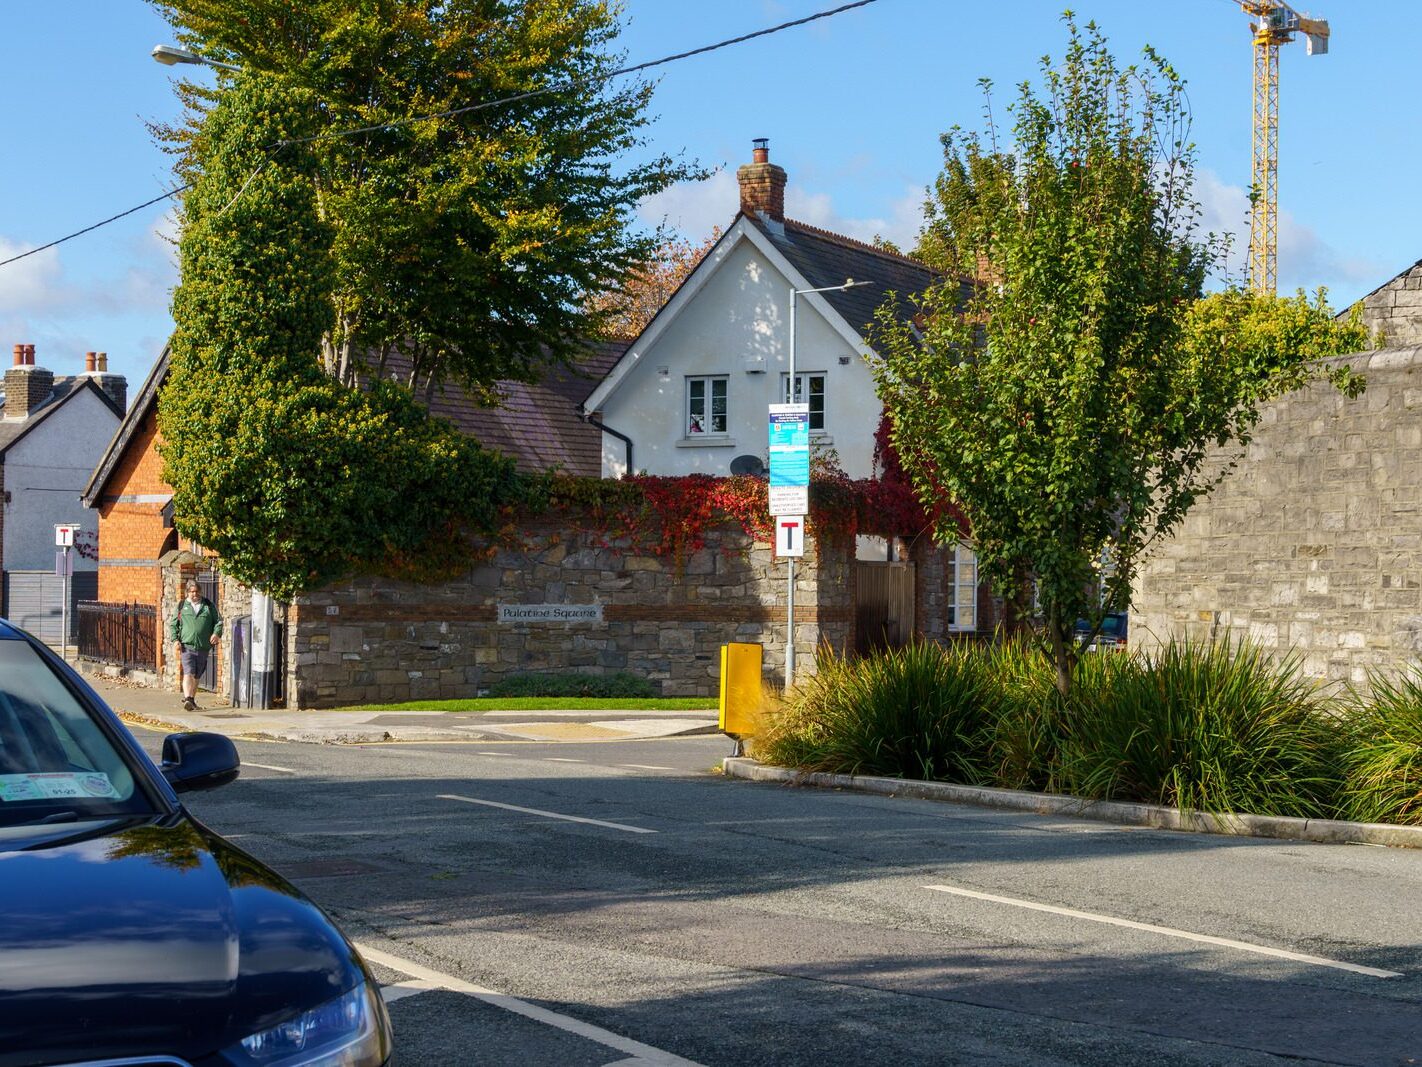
(199, 761)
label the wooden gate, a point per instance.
(883, 605)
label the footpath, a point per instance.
(160, 709)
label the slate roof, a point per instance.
(826, 258)
(538, 425)
(64, 387)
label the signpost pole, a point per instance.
(64, 612)
(790, 580)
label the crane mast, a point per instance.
(1277, 24)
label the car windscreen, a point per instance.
(56, 763)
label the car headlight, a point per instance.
(350, 1031)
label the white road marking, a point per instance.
(653, 1057)
(400, 990)
(563, 759)
(268, 767)
(1243, 946)
(648, 767)
(548, 814)
(491, 753)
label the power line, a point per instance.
(465, 110)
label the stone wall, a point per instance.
(376, 641)
(1395, 309)
(1314, 544)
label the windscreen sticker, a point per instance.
(64, 784)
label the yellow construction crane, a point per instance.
(1278, 23)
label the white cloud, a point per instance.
(31, 284)
(1305, 260)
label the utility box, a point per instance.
(740, 688)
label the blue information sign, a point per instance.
(789, 459)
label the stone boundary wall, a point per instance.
(1314, 543)
(376, 640)
(1395, 309)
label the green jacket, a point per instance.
(195, 628)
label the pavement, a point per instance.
(162, 709)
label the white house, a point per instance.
(53, 431)
(690, 394)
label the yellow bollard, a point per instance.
(740, 689)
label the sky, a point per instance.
(853, 107)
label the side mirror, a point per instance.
(199, 761)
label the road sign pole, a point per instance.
(64, 611)
(790, 580)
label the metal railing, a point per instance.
(122, 634)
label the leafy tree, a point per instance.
(328, 279)
(460, 246)
(1071, 402)
(626, 310)
(293, 478)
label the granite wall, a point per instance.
(1314, 544)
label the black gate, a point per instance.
(125, 635)
(207, 587)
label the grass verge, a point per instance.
(478, 704)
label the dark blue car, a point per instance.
(129, 932)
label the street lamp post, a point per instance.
(169, 55)
(849, 283)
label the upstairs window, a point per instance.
(705, 406)
(809, 389)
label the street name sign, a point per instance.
(511, 613)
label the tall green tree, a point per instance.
(329, 281)
(293, 478)
(1071, 398)
(461, 246)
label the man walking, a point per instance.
(194, 629)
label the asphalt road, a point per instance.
(618, 903)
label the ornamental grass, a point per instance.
(1383, 756)
(1206, 727)
(921, 711)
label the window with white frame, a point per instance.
(809, 389)
(705, 406)
(963, 608)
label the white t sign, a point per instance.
(790, 535)
(64, 535)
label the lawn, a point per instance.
(479, 704)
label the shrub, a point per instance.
(620, 684)
(1217, 727)
(1383, 760)
(1027, 734)
(921, 711)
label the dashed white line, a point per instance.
(647, 767)
(653, 1057)
(268, 767)
(548, 814)
(491, 753)
(1167, 931)
(562, 759)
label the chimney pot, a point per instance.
(29, 355)
(760, 150)
(19, 355)
(103, 363)
(90, 362)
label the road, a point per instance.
(619, 903)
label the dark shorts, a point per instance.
(194, 661)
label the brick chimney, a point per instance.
(96, 366)
(762, 184)
(26, 385)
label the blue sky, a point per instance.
(853, 106)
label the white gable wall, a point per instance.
(45, 475)
(740, 313)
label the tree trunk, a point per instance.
(1063, 652)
